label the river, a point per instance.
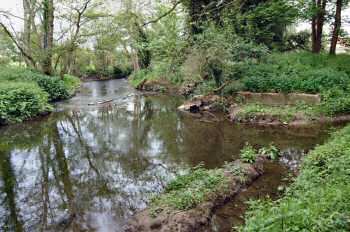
(90, 167)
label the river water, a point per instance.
(90, 167)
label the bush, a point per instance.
(71, 83)
(248, 154)
(54, 86)
(298, 40)
(319, 200)
(20, 101)
(335, 101)
(295, 73)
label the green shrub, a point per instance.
(297, 72)
(300, 40)
(319, 200)
(248, 154)
(20, 101)
(293, 78)
(71, 83)
(271, 152)
(137, 77)
(335, 101)
(54, 86)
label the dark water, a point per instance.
(90, 167)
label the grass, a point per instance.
(189, 190)
(198, 184)
(284, 114)
(319, 200)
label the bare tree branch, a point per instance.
(22, 50)
(163, 15)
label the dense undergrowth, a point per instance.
(319, 200)
(25, 94)
(221, 58)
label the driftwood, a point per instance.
(100, 102)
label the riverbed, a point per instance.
(90, 166)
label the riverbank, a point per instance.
(308, 95)
(319, 198)
(190, 200)
(25, 94)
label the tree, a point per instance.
(337, 27)
(48, 28)
(317, 23)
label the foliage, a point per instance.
(335, 101)
(248, 154)
(54, 86)
(319, 199)
(189, 190)
(287, 73)
(299, 72)
(217, 54)
(264, 22)
(294, 41)
(284, 114)
(271, 152)
(71, 83)
(20, 101)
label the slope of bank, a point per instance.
(319, 200)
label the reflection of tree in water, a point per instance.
(11, 220)
(85, 162)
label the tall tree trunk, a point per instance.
(143, 52)
(337, 26)
(48, 22)
(28, 26)
(317, 25)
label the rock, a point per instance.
(278, 99)
(197, 104)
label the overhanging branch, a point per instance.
(163, 15)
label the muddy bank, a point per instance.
(195, 219)
(201, 106)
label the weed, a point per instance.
(248, 154)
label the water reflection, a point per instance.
(88, 168)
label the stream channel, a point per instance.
(90, 167)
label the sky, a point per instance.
(15, 7)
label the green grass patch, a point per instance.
(282, 113)
(189, 190)
(319, 200)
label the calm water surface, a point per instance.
(89, 167)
